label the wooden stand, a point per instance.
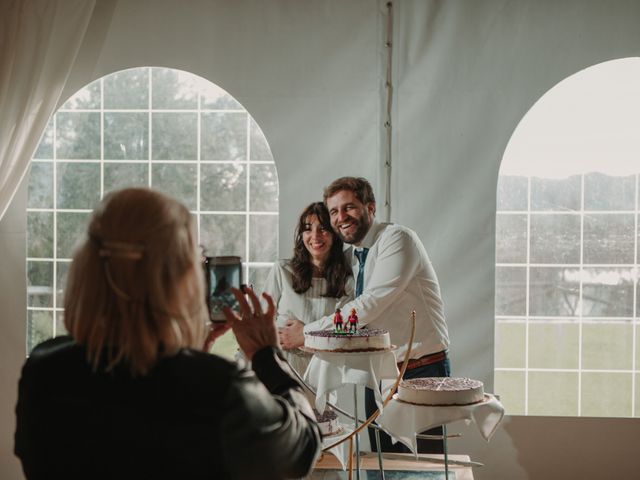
(395, 462)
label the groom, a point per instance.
(393, 277)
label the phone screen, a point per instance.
(221, 274)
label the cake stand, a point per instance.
(374, 415)
(328, 371)
(340, 451)
(402, 420)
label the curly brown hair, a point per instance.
(360, 187)
(336, 270)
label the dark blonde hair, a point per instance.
(135, 288)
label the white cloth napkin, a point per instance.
(328, 371)
(403, 420)
(341, 451)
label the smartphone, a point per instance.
(221, 273)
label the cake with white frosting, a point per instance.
(363, 340)
(441, 391)
(328, 422)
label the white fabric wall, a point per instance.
(310, 73)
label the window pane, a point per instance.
(226, 346)
(553, 194)
(224, 136)
(40, 185)
(511, 290)
(72, 228)
(607, 292)
(175, 136)
(608, 238)
(511, 238)
(131, 144)
(259, 147)
(126, 136)
(215, 98)
(512, 193)
(173, 89)
(606, 394)
(604, 192)
(510, 345)
(78, 185)
(263, 238)
(607, 346)
(86, 99)
(258, 277)
(121, 175)
(637, 408)
(60, 328)
(223, 235)
(62, 268)
(511, 388)
(39, 327)
(78, 135)
(40, 284)
(223, 187)
(264, 188)
(555, 239)
(45, 148)
(554, 291)
(554, 345)
(177, 180)
(553, 393)
(40, 234)
(637, 352)
(128, 89)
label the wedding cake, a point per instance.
(441, 391)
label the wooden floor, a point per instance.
(402, 466)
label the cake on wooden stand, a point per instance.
(347, 337)
(441, 391)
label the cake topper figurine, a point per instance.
(338, 322)
(352, 324)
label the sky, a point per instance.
(589, 122)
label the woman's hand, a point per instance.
(216, 330)
(253, 329)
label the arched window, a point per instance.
(156, 127)
(567, 250)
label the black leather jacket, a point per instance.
(195, 416)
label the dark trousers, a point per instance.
(438, 369)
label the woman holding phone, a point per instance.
(130, 393)
(315, 281)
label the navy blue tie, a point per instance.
(362, 257)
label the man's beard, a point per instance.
(361, 230)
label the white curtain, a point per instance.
(39, 41)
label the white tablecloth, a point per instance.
(341, 452)
(329, 371)
(403, 420)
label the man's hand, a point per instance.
(253, 329)
(292, 335)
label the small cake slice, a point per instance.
(441, 391)
(328, 422)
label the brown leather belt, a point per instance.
(425, 360)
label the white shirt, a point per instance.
(398, 278)
(306, 306)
